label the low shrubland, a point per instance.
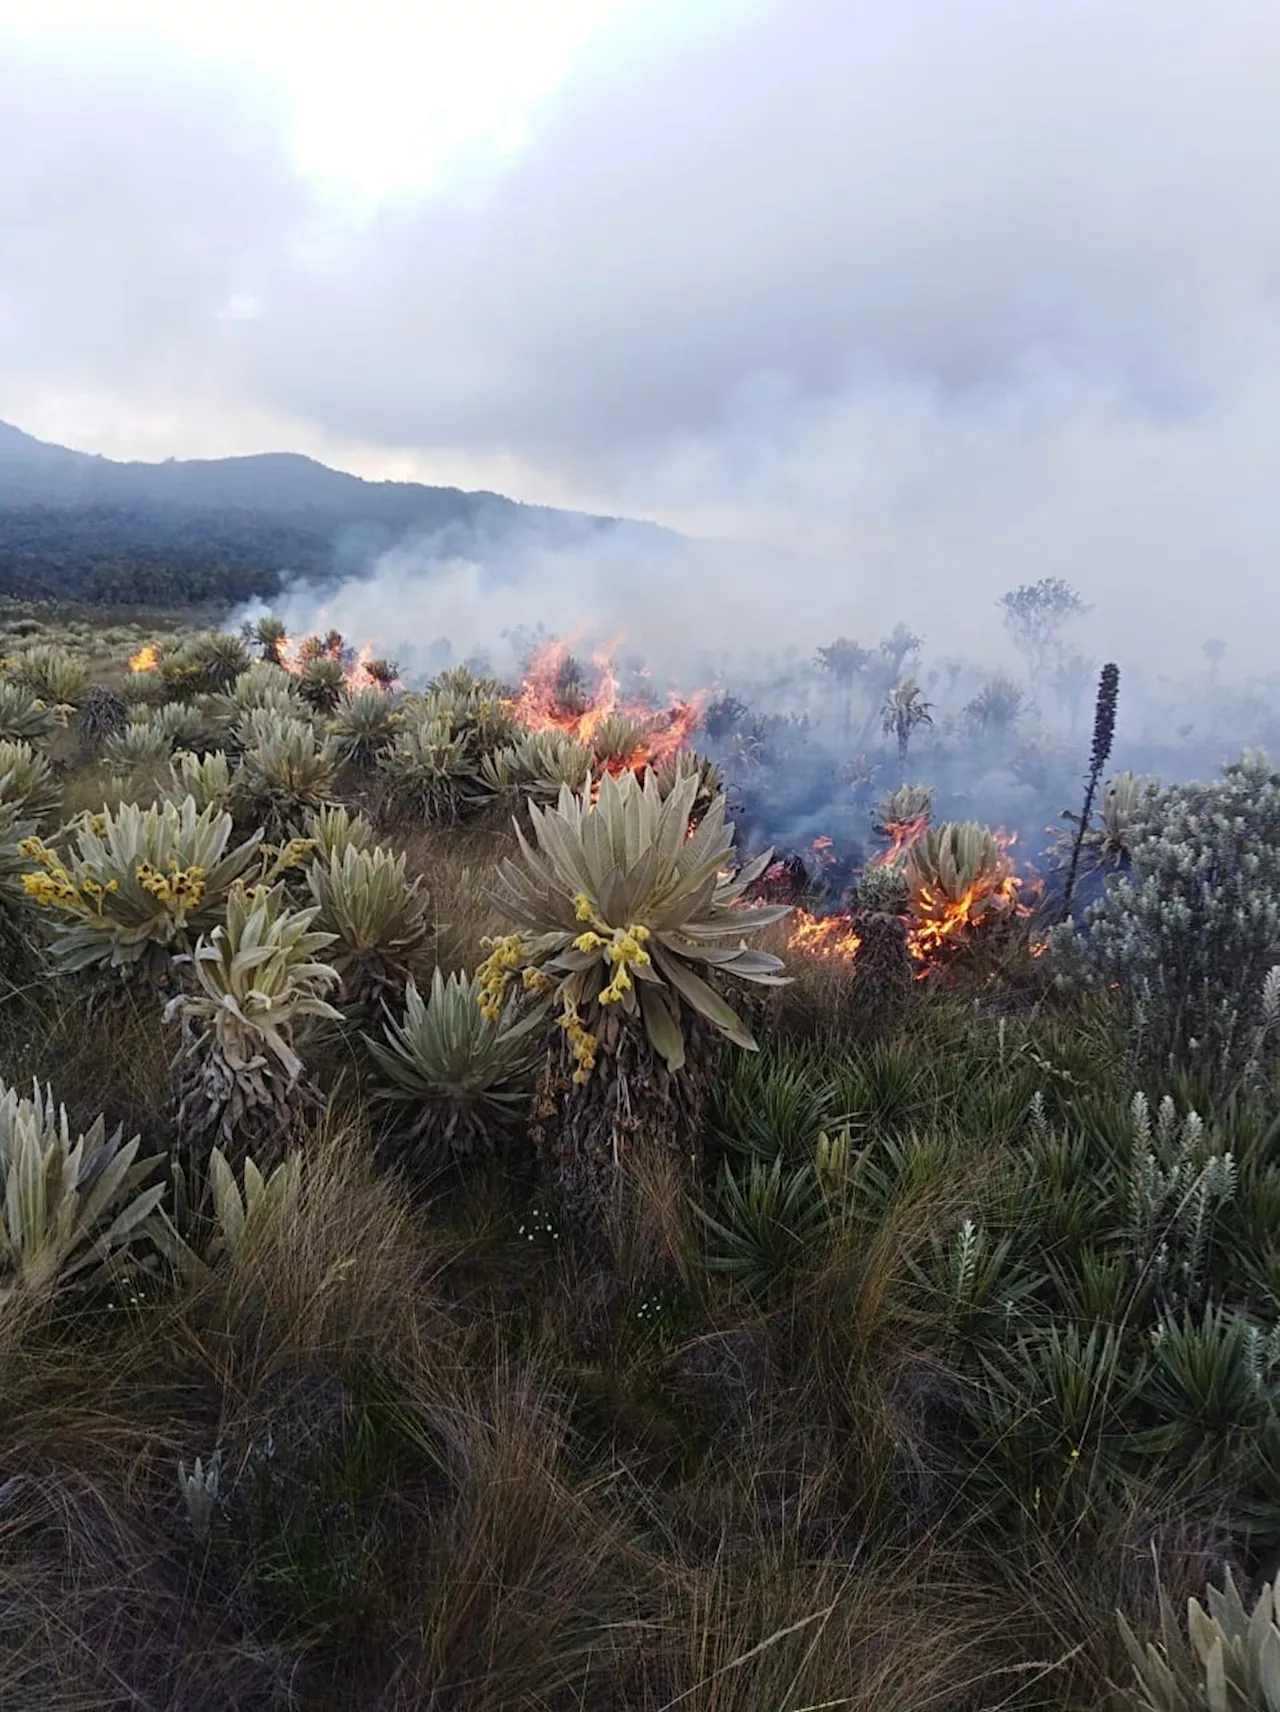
(448, 1264)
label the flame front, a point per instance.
(828, 936)
(146, 659)
(544, 704)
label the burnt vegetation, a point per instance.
(519, 1192)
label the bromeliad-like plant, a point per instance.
(70, 1211)
(141, 746)
(206, 778)
(462, 1078)
(51, 673)
(286, 772)
(333, 829)
(27, 781)
(1232, 1661)
(243, 1085)
(427, 769)
(23, 717)
(618, 905)
(538, 765)
(958, 878)
(365, 724)
(376, 915)
(139, 885)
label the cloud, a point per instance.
(915, 301)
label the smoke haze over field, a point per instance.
(913, 303)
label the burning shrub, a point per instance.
(959, 876)
(1191, 935)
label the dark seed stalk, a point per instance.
(1104, 731)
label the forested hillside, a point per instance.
(76, 527)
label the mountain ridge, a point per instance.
(80, 526)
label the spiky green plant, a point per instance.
(23, 717)
(72, 1210)
(769, 1221)
(618, 904)
(240, 1214)
(243, 1085)
(903, 807)
(141, 747)
(14, 938)
(376, 915)
(286, 772)
(138, 885)
(476, 708)
(51, 673)
(183, 724)
(365, 724)
(206, 778)
(958, 878)
(1228, 1660)
(619, 743)
(427, 769)
(266, 685)
(321, 683)
(221, 659)
(271, 636)
(27, 781)
(332, 829)
(539, 764)
(461, 1078)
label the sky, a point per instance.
(928, 299)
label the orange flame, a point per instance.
(938, 923)
(146, 659)
(832, 937)
(356, 674)
(542, 706)
(902, 834)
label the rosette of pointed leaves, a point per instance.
(71, 1209)
(14, 833)
(183, 725)
(377, 917)
(266, 685)
(476, 708)
(221, 659)
(27, 781)
(321, 683)
(204, 778)
(619, 905)
(239, 1214)
(286, 771)
(1228, 1661)
(462, 1078)
(619, 743)
(958, 867)
(902, 807)
(138, 885)
(686, 764)
(540, 764)
(23, 717)
(139, 747)
(427, 768)
(51, 673)
(333, 828)
(257, 980)
(365, 724)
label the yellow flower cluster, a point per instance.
(55, 887)
(183, 888)
(626, 948)
(581, 1044)
(506, 954)
(535, 981)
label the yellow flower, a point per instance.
(582, 907)
(588, 941)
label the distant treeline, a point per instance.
(121, 556)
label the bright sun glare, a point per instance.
(385, 98)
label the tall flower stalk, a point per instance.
(1104, 731)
